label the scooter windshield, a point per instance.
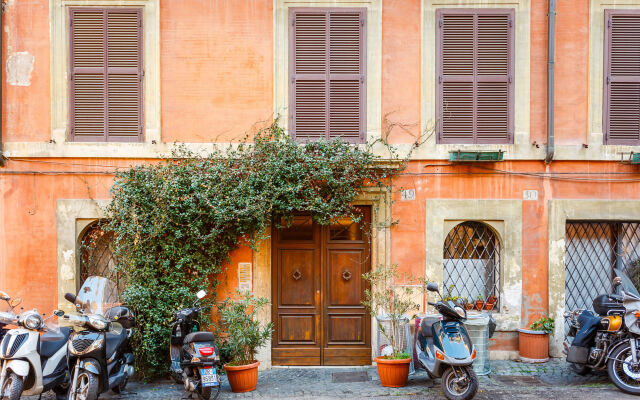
(97, 295)
(627, 283)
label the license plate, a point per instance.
(209, 377)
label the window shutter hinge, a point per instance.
(609, 23)
(510, 79)
(293, 21)
(71, 76)
(361, 21)
(361, 78)
(510, 23)
(139, 23)
(70, 20)
(440, 22)
(608, 80)
(439, 78)
(293, 79)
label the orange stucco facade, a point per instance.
(217, 81)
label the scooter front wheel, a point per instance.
(459, 384)
(86, 386)
(12, 388)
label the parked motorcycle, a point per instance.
(444, 349)
(99, 355)
(610, 339)
(34, 357)
(194, 356)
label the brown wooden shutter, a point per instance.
(621, 116)
(475, 73)
(327, 70)
(106, 74)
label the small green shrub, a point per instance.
(245, 335)
(545, 324)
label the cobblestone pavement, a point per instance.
(508, 380)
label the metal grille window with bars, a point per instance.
(96, 255)
(592, 251)
(472, 264)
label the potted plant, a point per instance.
(479, 302)
(389, 304)
(467, 304)
(491, 302)
(534, 342)
(245, 336)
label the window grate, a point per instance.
(472, 264)
(96, 255)
(592, 251)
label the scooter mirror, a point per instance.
(4, 296)
(70, 297)
(15, 301)
(201, 294)
(432, 287)
(58, 313)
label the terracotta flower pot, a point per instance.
(393, 373)
(242, 378)
(489, 305)
(468, 306)
(533, 345)
(479, 304)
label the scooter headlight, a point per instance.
(32, 321)
(97, 322)
(461, 311)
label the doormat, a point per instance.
(348, 377)
(518, 380)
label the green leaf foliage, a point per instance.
(244, 333)
(176, 221)
(544, 324)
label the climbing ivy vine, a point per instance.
(176, 221)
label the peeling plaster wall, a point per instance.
(19, 69)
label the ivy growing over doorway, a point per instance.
(176, 221)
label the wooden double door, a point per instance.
(317, 292)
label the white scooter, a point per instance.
(33, 363)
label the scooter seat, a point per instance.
(199, 337)
(426, 325)
(114, 338)
(51, 342)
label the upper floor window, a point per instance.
(621, 117)
(475, 76)
(327, 70)
(105, 75)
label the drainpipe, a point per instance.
(551, 57)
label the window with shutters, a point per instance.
(475, 76)
(621, 119)
(105, 74)
(327, 70)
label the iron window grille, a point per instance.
(592, 250)
(472, 265)
(96, 255)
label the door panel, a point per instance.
(318, 286)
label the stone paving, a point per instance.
(508, 380)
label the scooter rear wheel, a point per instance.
(457, 387)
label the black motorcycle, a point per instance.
(194, 356)
(99, 355)
(610, 339)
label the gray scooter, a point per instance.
(443, 348)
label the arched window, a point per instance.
(472, 264)
(96, 255)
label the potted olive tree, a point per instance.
(389, 303)
(533, 343)
(245, 336)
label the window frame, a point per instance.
(511, 72)
(291, 73)
(139, 138)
